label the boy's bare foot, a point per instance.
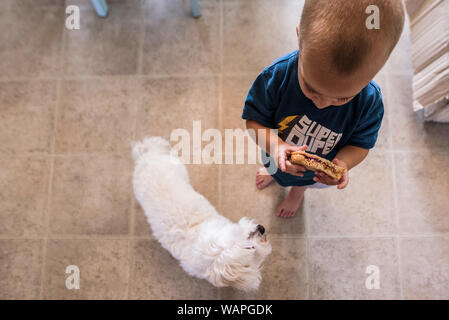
(263, 179)
(288, 207)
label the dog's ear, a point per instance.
(242, 277)
(244, 221)
(230, 270)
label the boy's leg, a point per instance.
(291, 203)
(263, 179)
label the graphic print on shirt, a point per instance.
(299, 130)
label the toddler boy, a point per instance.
(321, 98)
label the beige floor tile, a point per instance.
(365, 206)
(175, 43)
(337, 268)
(104, 46)
(283, 275)
(253, 38)
(23, 196)
(20, 267)
(170, 104)
(141, 226)
(235, 91)
(409, 131)
(97, 116)
(425, 265)
(157, 275)
(91, 196)
(204, 179)
(103, 269)
(111, 3)
(240, 197)
(384, 138)
(32, 43)
(28, 3)
(26, 116)
(400, 60)
(423, 192)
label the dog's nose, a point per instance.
(260, 228)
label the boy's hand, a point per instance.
(284, 150)
(325, 179)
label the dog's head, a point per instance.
(239, 252)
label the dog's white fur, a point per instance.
(207, 245)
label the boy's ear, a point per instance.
(297, 30)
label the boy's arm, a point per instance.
(348, 157)
(274, 146)
(351, 155)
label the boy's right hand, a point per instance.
(284, 150)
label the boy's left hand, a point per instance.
(323, 178)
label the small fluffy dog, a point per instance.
(207, 245)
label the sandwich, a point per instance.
(316, 163)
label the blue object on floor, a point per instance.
(195, 8)
(101, 7)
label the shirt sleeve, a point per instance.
(366, 132)
(260, 102)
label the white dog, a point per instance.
(207, 245)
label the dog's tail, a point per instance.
(150, 144)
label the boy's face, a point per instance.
(325, 87)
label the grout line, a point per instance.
(141, 41)
(220, 111)
(144, 76)
(130, 266)
(307, 263)
(111, 76)
(220, 99)
(52, 161)
(221, 36)
(104, 154)
(336, 237)
(395, 194)
(397, 238)
(307, 235)
(276, 236)
(129, 269)
(79, 237)
(132, 217)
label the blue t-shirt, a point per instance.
(276, 101)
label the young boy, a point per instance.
(320, 97)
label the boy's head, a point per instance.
(339, 55)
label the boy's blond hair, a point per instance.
(337, 30)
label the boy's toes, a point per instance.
(284, 213)
(279, 212)
(263, 181)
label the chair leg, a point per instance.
(101, 7)
(195, 8)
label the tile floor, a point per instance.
(72, 101)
